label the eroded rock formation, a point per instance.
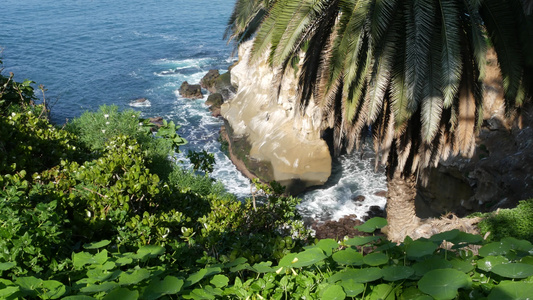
(266, 132)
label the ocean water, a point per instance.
(93, 52)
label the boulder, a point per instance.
(359, 198)
(215, 82)
(214, 101)
(209, 80)
(191, 91)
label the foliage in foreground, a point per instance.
(326, 270)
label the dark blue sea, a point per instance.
(93, 52)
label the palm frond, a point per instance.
(451, 50)
(264, 36)
(420, 17)
(383, 13)
(305, 13)
(316, 58)
(244, 20)
(476, 35)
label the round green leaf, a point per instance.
(445, 236)
(7, 266)
(170, 285)
(443, 283)
(429, 264)
(513, 270)
(412, 293)
(464, 237)
(195, 277)
(29, 284)
(495, 248)
(263, 267)
(461, 265)
(486, 264)
(149, 251)
(375, 259)
(327, 245)
(97, 244)
(8, 291)
(333, 292)
(372, 224)
(308, 257)
(122, 294)
(96, 288)
(357, 275)
(395, 273)
(527, 260)
(361, 240)
(521, 245)
(419, 248)
(352, 288)
(220, 281)
(134, 277)
(54, 289)
(349, 257)
(382, 292)
(512, 290)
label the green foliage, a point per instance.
(94, 129)
(15, 96)
(202, 161)
(517, 222)
(94, 221)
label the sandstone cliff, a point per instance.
(266, 132)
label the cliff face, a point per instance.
(267, 134)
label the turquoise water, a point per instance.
(93, 52)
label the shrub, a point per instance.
(94, 129)
(517, 222)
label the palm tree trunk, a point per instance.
(401, 214)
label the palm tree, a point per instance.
(408, 71)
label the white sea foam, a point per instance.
(352, 177)
(138, 103)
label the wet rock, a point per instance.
(338, 229)
(215, 82)
(381, 194)
(140, 100)
(191, 91)
(359, 198)
(209, 80)
(214, 100)
(374, 211)
(157, 121)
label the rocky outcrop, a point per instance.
(272, 139)
(191, 91)
(214, 101)
(218, 83)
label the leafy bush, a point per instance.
(30, 143)
(517, 222)
(94, 129)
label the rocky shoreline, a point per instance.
(497, 176)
